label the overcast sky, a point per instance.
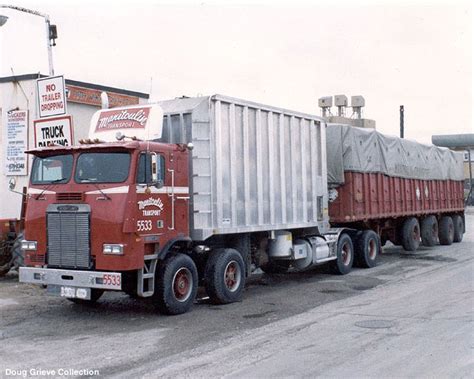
(288, 54)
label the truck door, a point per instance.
(153, 202)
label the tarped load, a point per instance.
(366, 150)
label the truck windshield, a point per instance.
(102, 167)
(53, 169)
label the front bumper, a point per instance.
(71, 278)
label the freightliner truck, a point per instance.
(202, 191)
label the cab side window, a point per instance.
(144, 173)
(144, 169)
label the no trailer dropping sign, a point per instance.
(53, 131)
(51, 96)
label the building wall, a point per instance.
(23, 95)
(12, 95)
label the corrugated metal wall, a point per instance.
(254, 168)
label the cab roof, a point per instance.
(120, 145)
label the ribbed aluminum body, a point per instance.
(68, 230)
(253, 167)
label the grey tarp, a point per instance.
(366, 150)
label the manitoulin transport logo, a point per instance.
(151, 202)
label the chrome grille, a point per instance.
(68, 235)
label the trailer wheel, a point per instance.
(225, 276)
(411, 234)
(367, 247)
(446, 230)
(95, 295)
(429, 231)
(345, 255)
(176, 284)
(458, 228)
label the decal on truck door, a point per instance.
(151, 202)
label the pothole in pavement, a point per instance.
(435, 258)
(375, 324)
(258, 315)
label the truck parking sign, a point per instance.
(53, 131)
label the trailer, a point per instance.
(188, 192)
(400, 190)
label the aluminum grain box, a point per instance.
(253, 167)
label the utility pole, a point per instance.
(402, 121)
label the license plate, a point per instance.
(75, 292)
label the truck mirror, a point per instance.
(154, 168)
(12, 184)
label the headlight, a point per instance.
(113, 249)
(29, 245)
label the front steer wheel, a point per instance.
(225, 276)
(176, 285)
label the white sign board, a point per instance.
(53, 131)
(144, 122)
(51, 93)
(16, 142)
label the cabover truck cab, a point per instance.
(193, 191)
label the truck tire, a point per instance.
(458, 228)
(367, 247)
(95, 295)
(225, 276)
(5, 257)
(176, 284)
(411, 234)
(18, 258)
(446, 230)
(345, 255)
(429, 231)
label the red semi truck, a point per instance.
(202, 191)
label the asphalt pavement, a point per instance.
(411, 316)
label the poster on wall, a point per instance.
(16, 142)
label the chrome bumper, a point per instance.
(71, 278)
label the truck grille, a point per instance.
(68, 235)
(70, 196)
